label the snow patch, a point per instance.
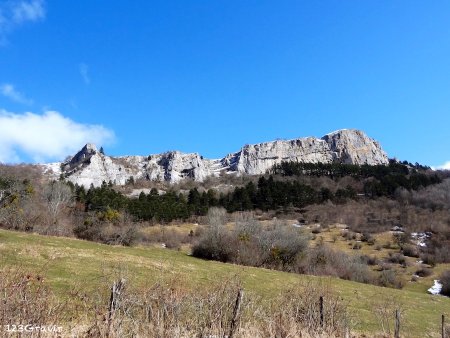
(436, 288)
(420, 238)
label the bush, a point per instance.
(370, 260)
(107, 233)
(366, 237)
(348, 235)
(428, 259)
(400, 238)
(424, 272)
(410, 250)
(316, 231)
(277, 246)
(445, 281)
(214, 245)
(387, 245)
(388, 278)
(215, 242)
(322, 260)
(119, 235)
(396, 258)
(357, 246)
(284, 244)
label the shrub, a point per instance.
(445, 281)
(344, 234)
(118, 234)
(424, 272)
(281, 244)
(400, 238)
(348, 235)
(276, 246)
(443, 253)
(173, 242)
(370, 260)
(322, 260)
(388, 278)
(410, 250)
(366, 237)
(396, 258)
(107, 233)
(214, 244)
(387, 245)
(88, 230)
(316, 231)
(357, 246)
(428, 259)
(215, 241)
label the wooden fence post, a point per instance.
(236, 313)
(397, 324)
(443, 326)
(116, 289)
(321, 310)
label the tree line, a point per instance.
(270, 192)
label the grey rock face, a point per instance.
(354, 147)
(89, 166)
(258, 158)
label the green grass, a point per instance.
(67, 263)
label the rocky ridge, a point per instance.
(90, 166)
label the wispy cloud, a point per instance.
(8, 90)
(15, 13)
(445, 166)
(84, 72)
(45, 137)
(28, 11)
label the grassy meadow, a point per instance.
(68, 263)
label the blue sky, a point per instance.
(142, 77)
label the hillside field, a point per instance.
(67, 263)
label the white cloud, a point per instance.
(28, 11)
(8, 90)
(46, 137)
(84, 72)
(445, 166)
(15, 13)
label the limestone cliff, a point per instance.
(89, 166)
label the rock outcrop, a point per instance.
(89, 166)
(354, 147)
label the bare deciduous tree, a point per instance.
(57, 195)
